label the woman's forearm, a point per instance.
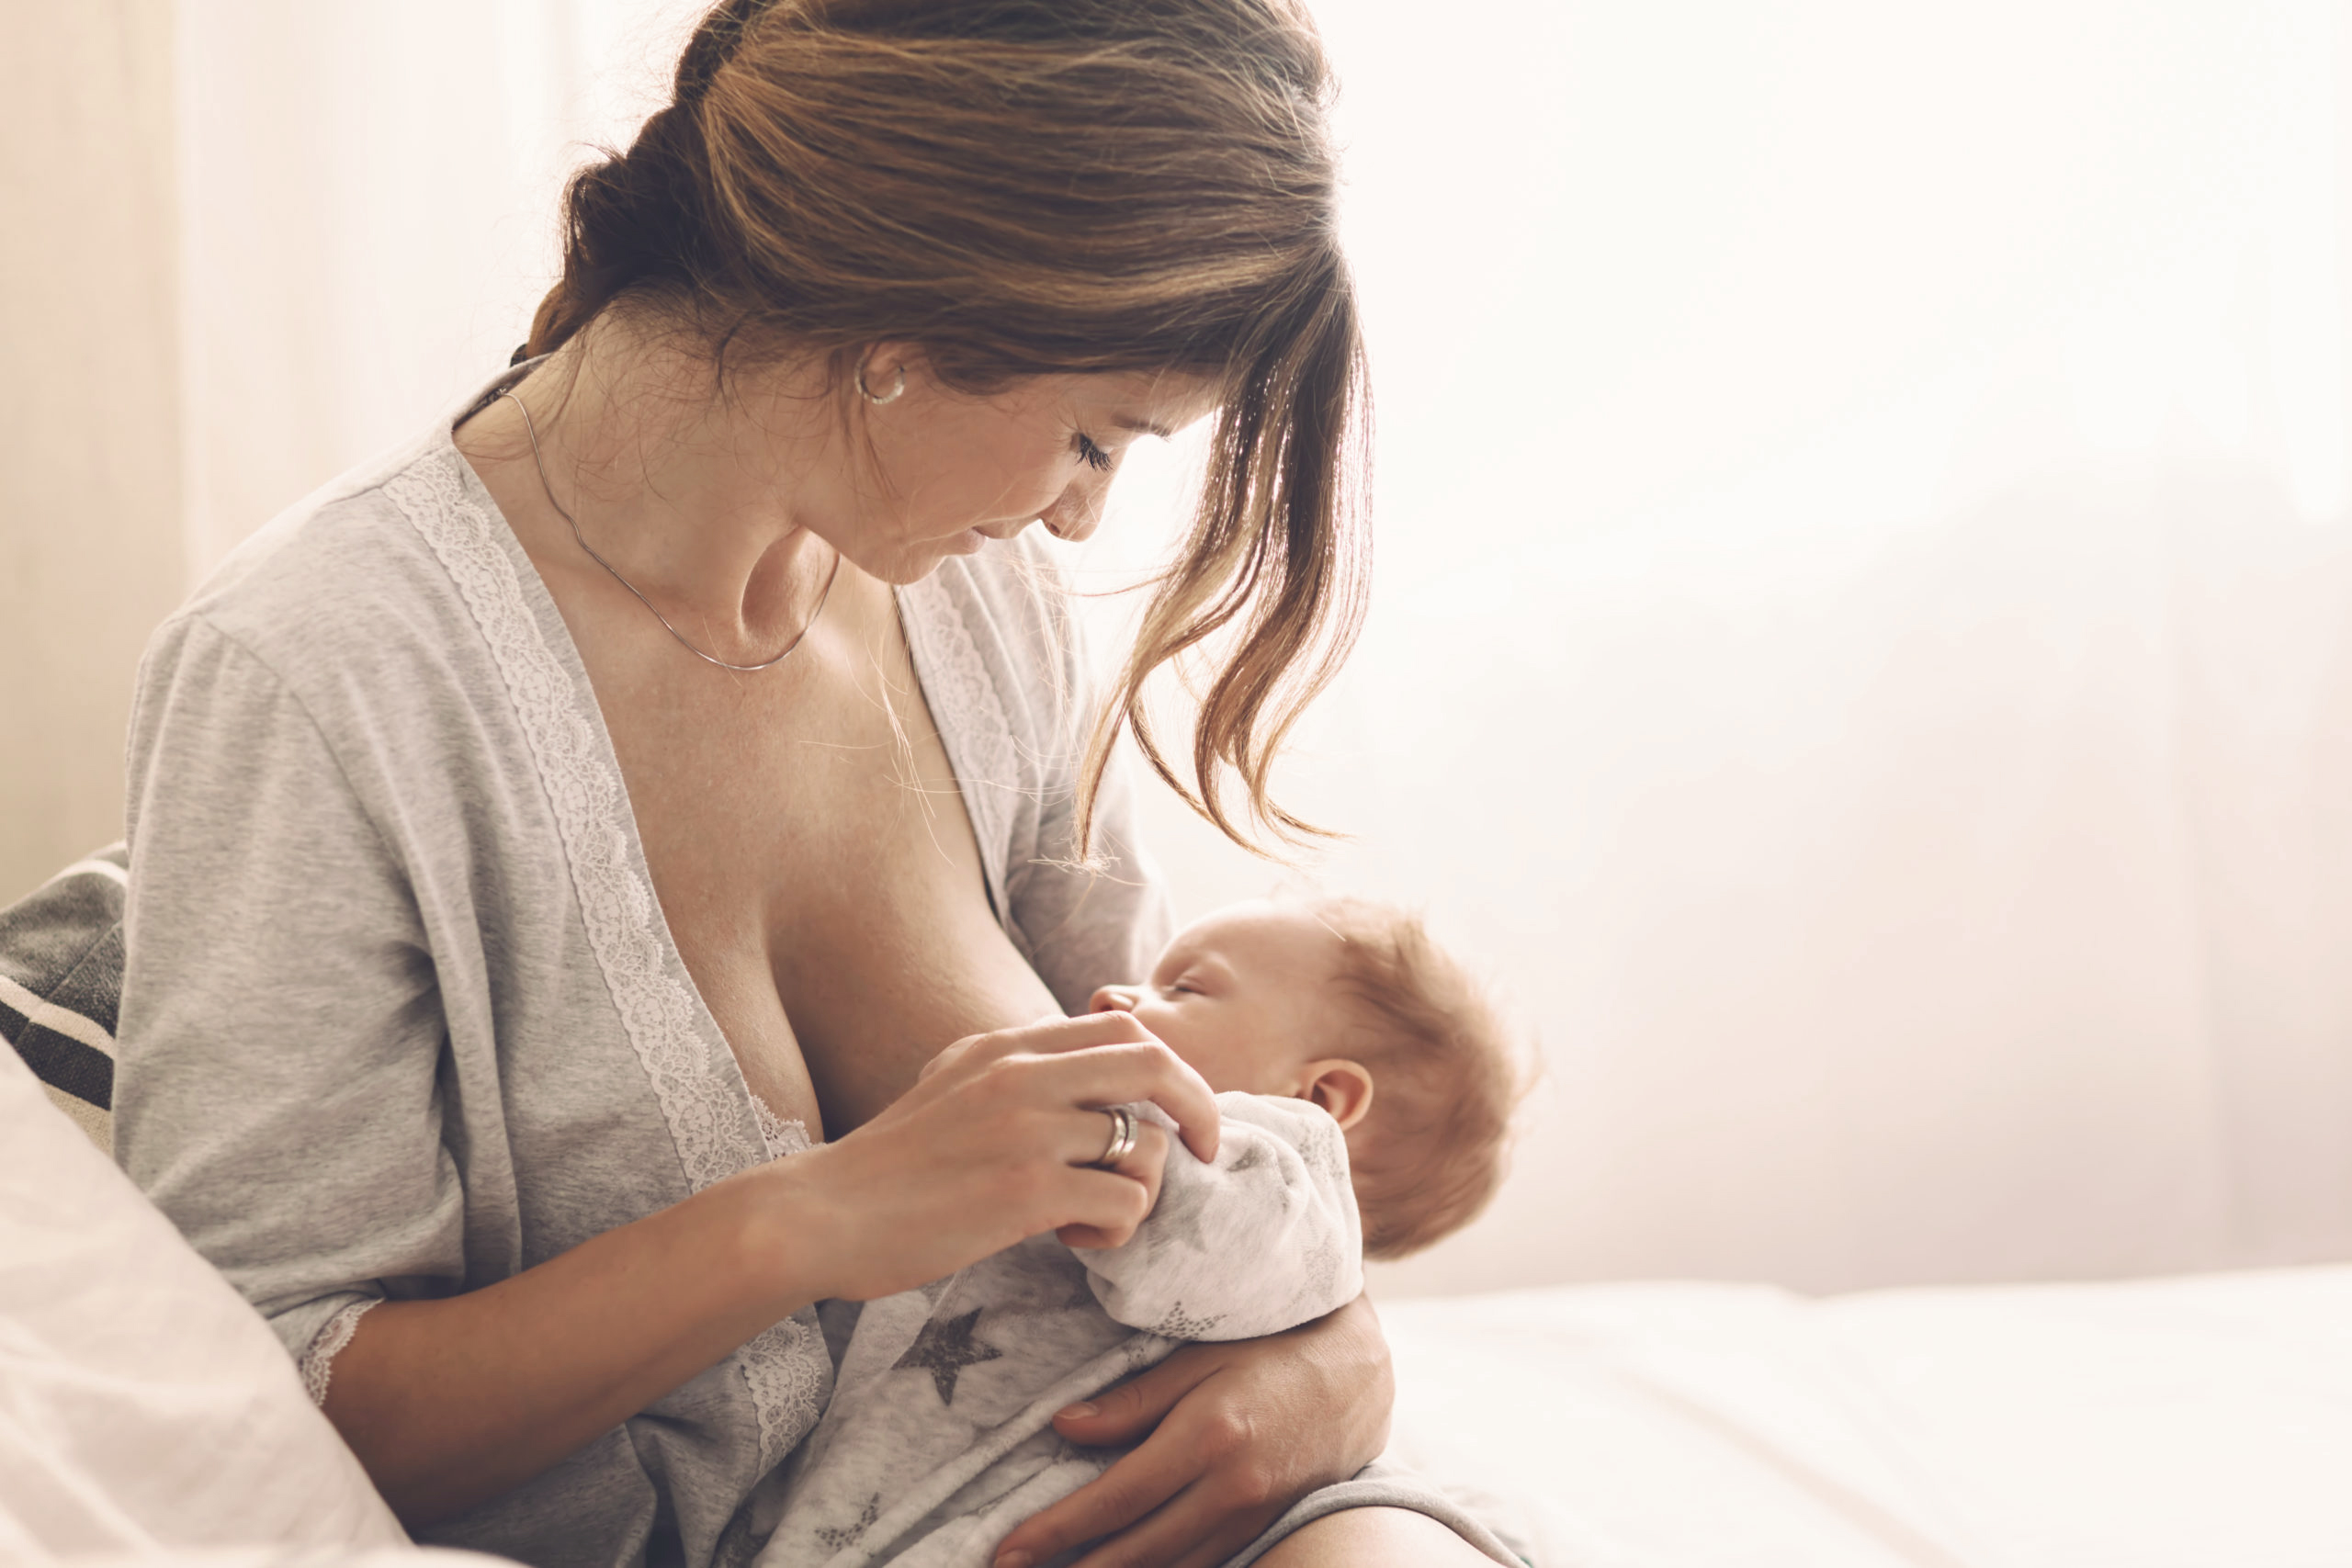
(450, 1403)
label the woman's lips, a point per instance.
(971, 541)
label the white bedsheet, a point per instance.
(2195, 1423)
(146, 1410)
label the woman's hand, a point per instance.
(994, 1144)
(1237, 1433)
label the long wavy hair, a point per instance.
(1032, 187)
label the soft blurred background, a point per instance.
(1862, 648)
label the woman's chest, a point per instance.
(809, 847)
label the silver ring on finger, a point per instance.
(1122, 1137)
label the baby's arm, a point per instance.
(1261, 1240)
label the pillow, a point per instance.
(144, 1408)
(60, 978)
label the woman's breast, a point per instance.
(818, 872)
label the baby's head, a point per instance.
(1347, 1003)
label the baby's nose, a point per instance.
(1112, 999)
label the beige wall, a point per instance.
(90, 553)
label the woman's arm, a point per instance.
(450, 1403)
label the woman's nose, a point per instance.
(1078, 511)
(1112, 999)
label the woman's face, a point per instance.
(950, 471)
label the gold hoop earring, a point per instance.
(878, 399)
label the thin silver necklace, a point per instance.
(683, 641)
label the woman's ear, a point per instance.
(1341, 1087)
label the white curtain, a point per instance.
(1863, 644)
(370, 200)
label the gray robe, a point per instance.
(401, 1016)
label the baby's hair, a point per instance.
(1447, 1077)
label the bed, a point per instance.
(2202, 1422)
(147, 1414)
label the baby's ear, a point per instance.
(1341, 1087)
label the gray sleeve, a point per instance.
(282, 1031)
(1260, 1239)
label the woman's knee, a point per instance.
(1372, 1537)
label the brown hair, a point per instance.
(1447, 1077)
(1028, 187)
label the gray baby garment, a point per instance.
(939, 1439)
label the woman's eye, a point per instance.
(1095, 456)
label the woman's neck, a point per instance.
(692, 494)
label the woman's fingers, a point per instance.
(1144, 1164)
(997, 1142)
(1123, 1414)
(1103, 1205)
(1052, 1036)
(1044, 1037)
(1231, 1436)
(1123, 1073)
(1140, 1482)
(1100, 1059)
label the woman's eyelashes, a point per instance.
(1093, 455)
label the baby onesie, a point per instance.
(939, 1437)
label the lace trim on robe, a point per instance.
(317, 1365)
(781, 1136)
(786, 1368)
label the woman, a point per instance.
(537, 835)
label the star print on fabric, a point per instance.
(1181, 1324)
(944, 1347)
(835, 1540)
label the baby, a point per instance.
(1359, 1074)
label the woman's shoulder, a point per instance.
(334, 562)
(352, 581)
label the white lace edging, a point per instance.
(791, 1376)
(317, 1364)
(789, 1358)
(700, 1104)
(781, 1136)
(584, 787)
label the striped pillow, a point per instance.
(60, 977)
